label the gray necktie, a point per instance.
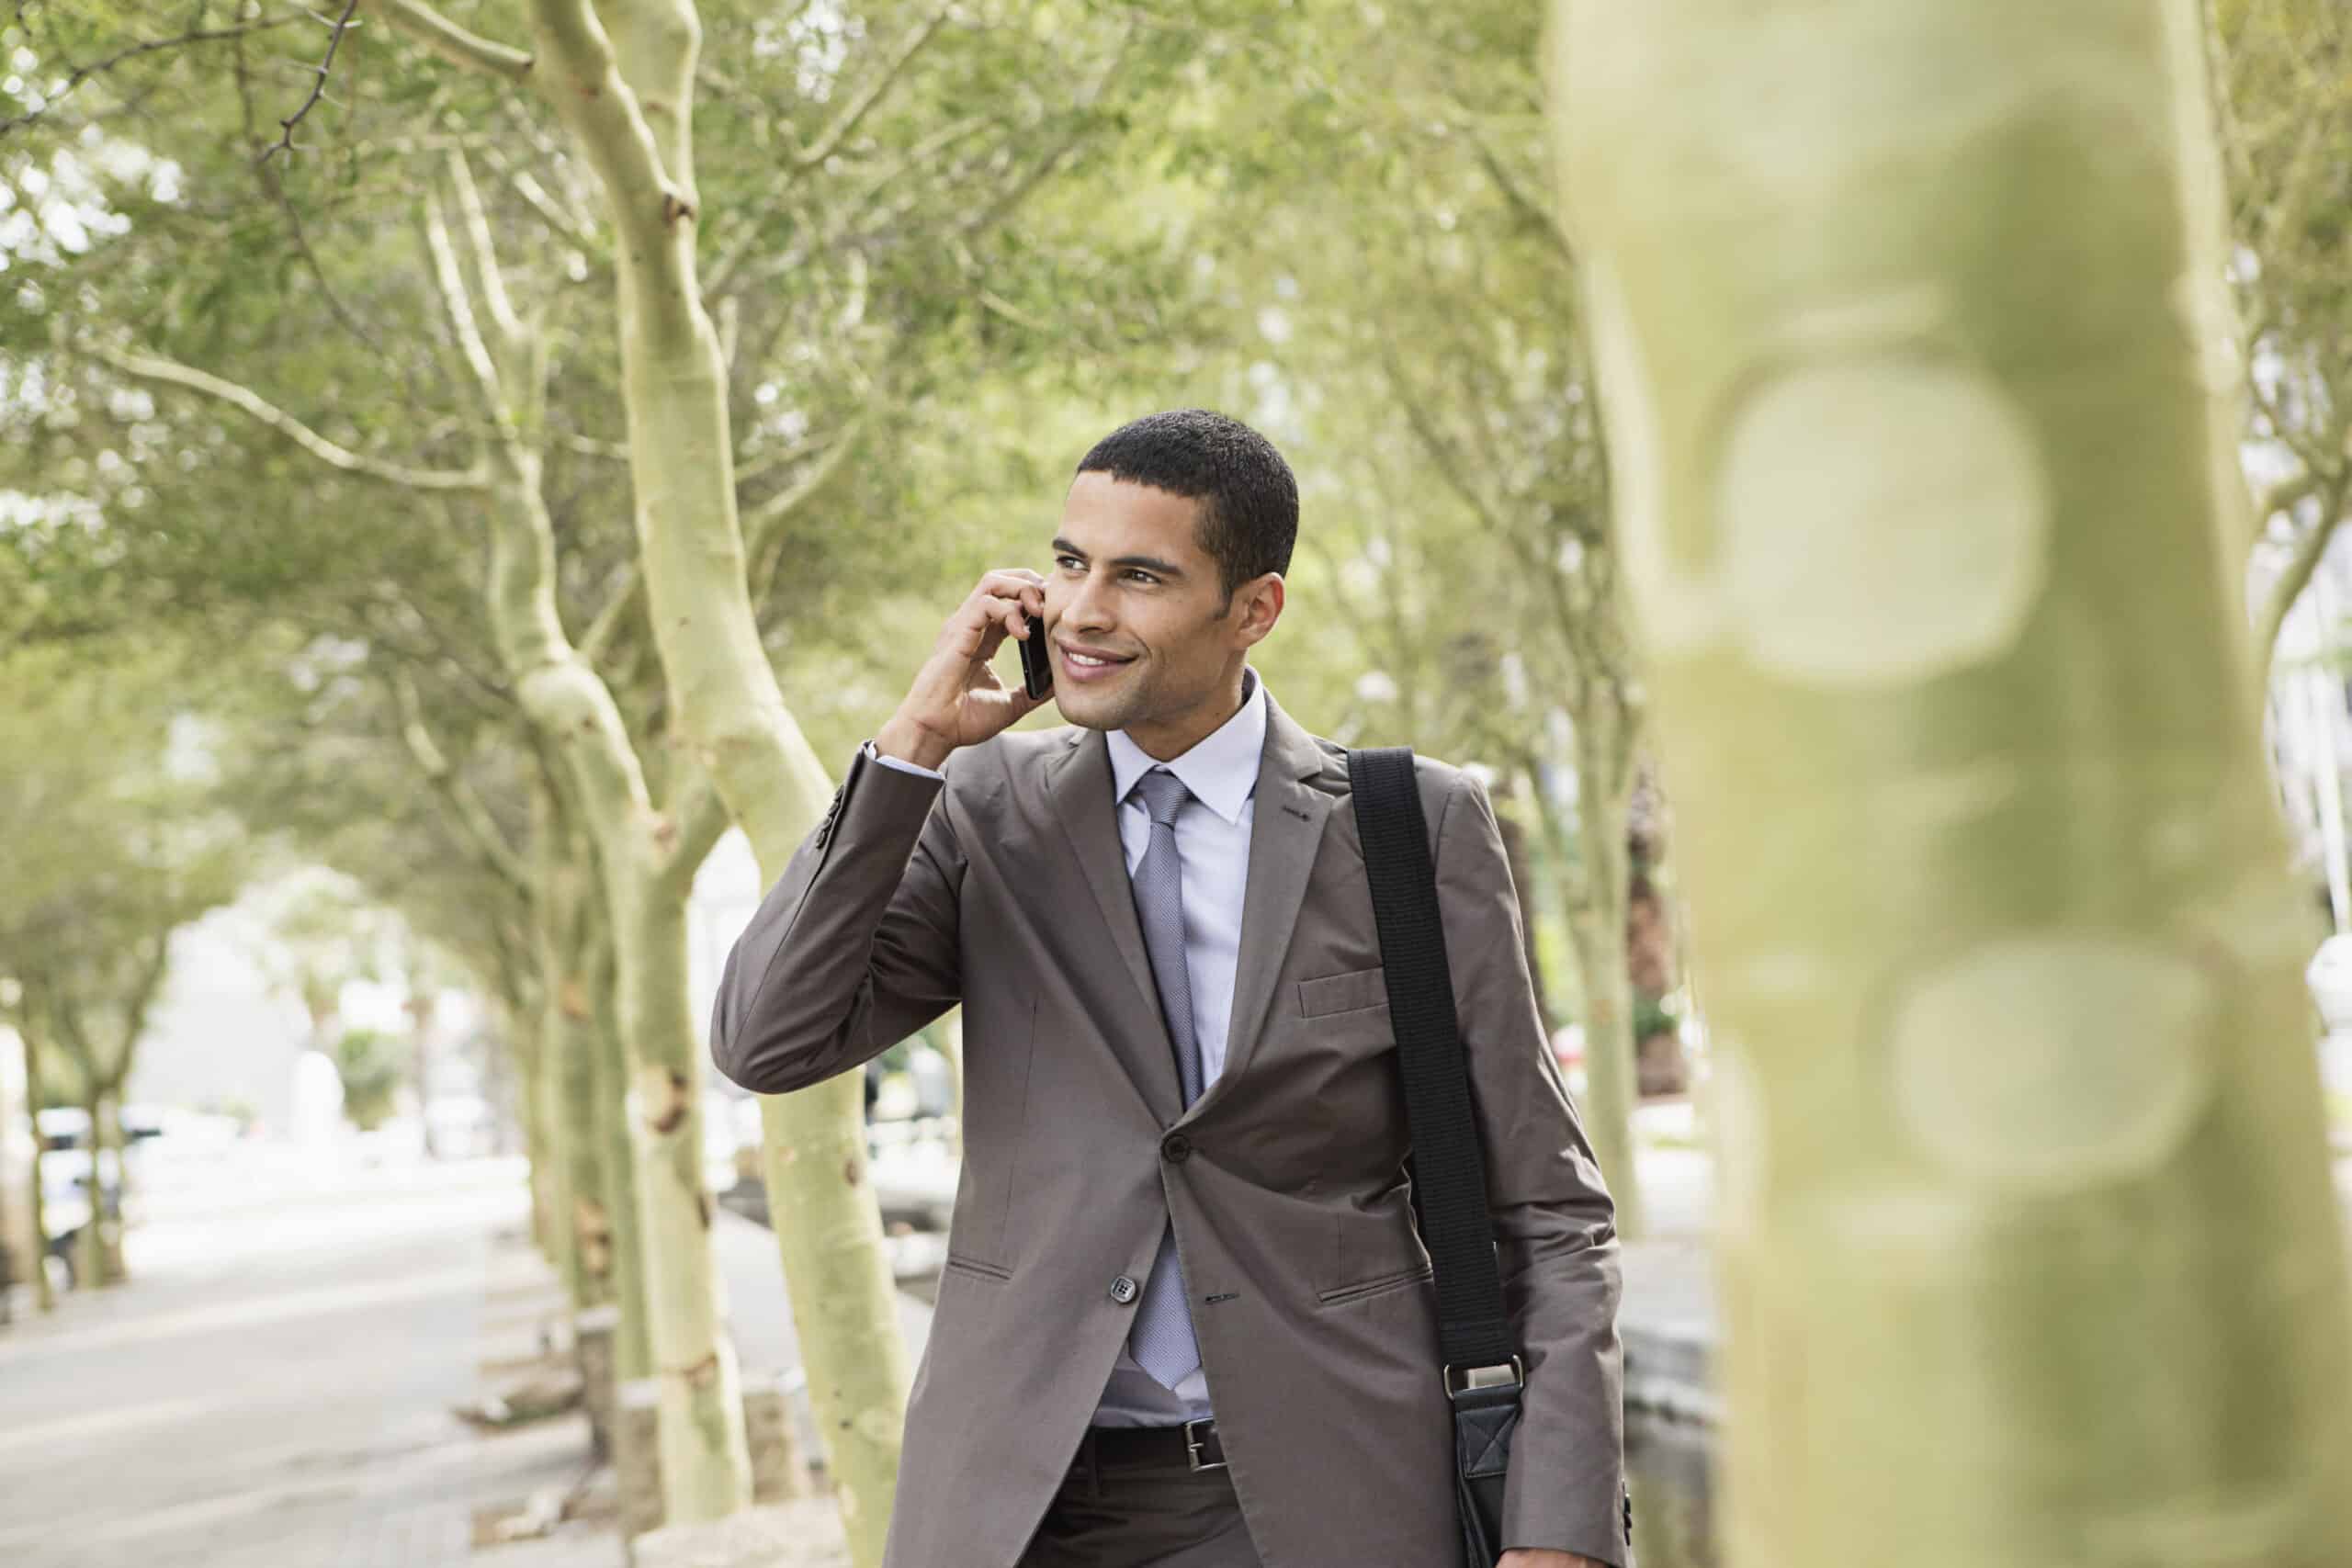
(1161, 1339)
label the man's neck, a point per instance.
(1158, 742)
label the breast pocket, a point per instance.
(1352, 992)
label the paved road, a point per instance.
(274, 1391)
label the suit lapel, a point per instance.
(1079, 788)
(1286, 833)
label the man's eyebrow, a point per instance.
(1149, 563)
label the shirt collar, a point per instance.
(1221, 770)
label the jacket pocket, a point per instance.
(973, 1266)
(1351, 992)
(1394, 1280)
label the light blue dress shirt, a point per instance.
(1212, 847)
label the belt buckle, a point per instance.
(1192, 1446)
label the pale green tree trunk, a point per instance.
(587, 1221)
(645, 852)
(1588, 856)
(2027, 1247)
(632, 1346)
(44, 1291)
(547, 1144)
(100, 1246)
(1597, 928)
(627, 97)
(645, 856)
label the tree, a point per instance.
(370, 1064)
(2286, 123)
(2029, 1247)
(1412, 316)
(113, 843)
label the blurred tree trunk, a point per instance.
(2027, 1239)
(1586, 853)
(106, 1145)
(1650, 965)
(562, 912)
(1522, 878)
(632, 1343)
(44, 1293)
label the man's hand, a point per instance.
(1532, 1557)
(956, 699)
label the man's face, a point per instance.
(1129, 578)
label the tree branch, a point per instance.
(698, 816)
(829, 140)
(472, 815)
(2293, 579)
(82, 74)
(337, 27)
(135, 1007)
(152, 367)
(485, 250)
(452, 42)
(456, 305)
(607, 620)
(764, 523)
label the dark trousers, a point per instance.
(1108, 1515)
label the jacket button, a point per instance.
(1176, 1149)
(1123, 1289)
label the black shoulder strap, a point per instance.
(1449, 1170)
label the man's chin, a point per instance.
(1088, 711)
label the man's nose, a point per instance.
(1084, 607)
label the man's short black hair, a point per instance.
(1249, 498)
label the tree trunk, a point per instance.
(549, 1143)
(1649, 942)
(632, 1344)
(2027, 1247)
(91, 1269)
(586, 1220)
(44, 1293)
(110, 1140)
(565, 912)
(1522, 878)
(702, 1400)
(1596, 914)
(631, 108)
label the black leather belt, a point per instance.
(1192, 1446)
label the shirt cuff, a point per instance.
(902, 764)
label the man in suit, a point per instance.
(1186, 1320)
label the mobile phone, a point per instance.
(1036, 664)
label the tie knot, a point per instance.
(1163, 793)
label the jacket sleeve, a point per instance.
(856, 946)
(1554, 1224)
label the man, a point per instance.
(1186, 1320)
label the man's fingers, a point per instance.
(997, 608)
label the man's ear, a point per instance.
(1262, 607)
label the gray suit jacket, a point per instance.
(1005, 888)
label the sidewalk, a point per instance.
(275, 1388)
